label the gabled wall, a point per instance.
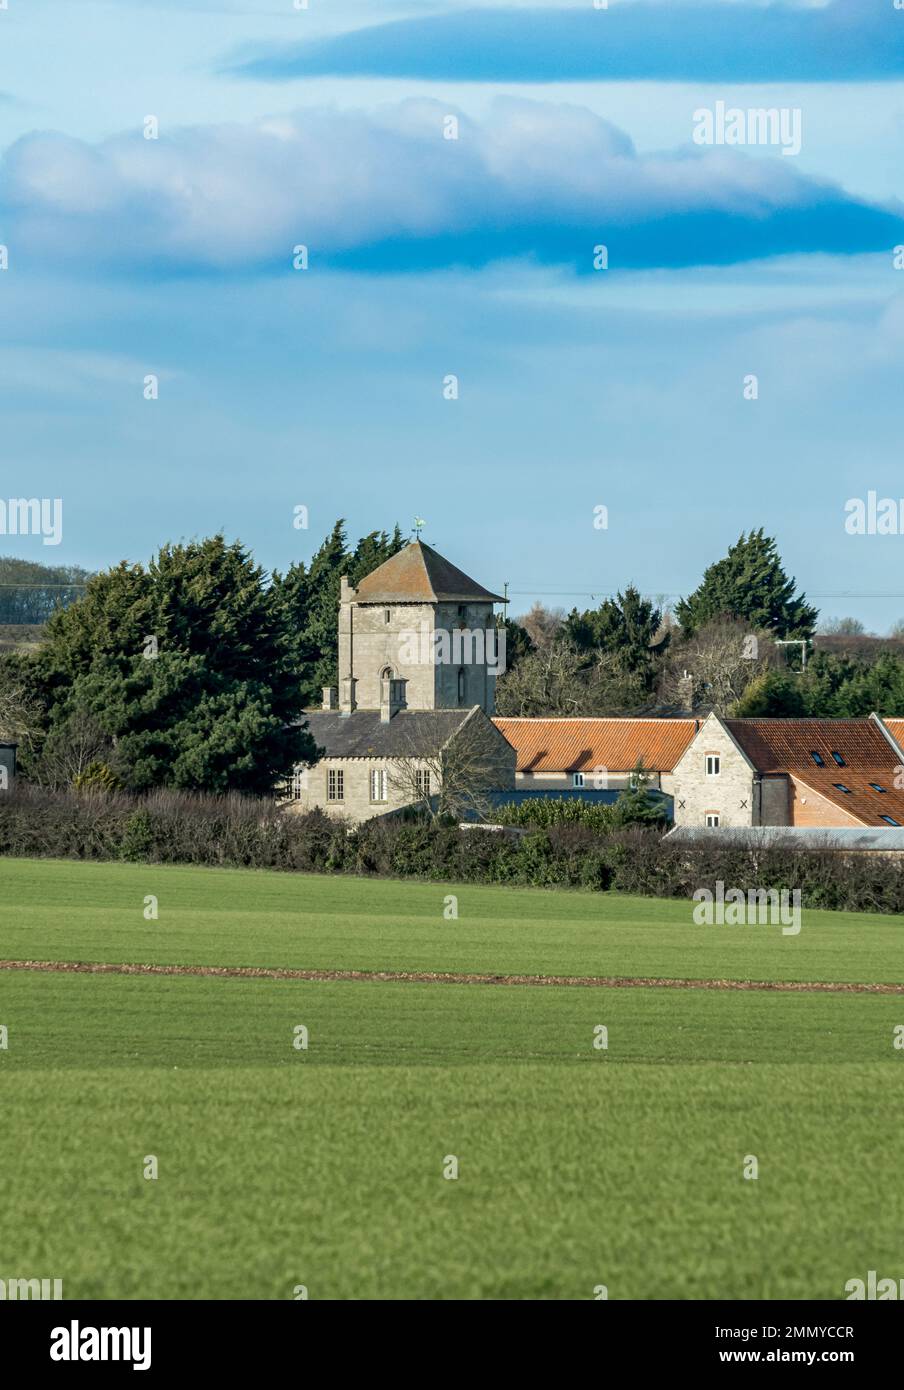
(731, 794)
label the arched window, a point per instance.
(396, 687)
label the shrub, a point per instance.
(169, 827)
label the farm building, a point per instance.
(595, 754)
(819, 773)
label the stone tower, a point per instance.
(416, 634)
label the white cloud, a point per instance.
(523, 179)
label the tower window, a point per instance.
(461, 684)
(387, 615)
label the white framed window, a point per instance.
(577, 779)
(422, 781)
(713, 818)
(298, 783)
(335, 784)
(713, 764)
(379, 784)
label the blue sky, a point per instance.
(473, 257)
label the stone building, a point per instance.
(582, 753)
(419, 653)
(822, 773)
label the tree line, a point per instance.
(194, 671)
(734, 646)
(191, 672)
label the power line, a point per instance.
(661, 593)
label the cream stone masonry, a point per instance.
(729, 794)
(386, 641)
(408, 706)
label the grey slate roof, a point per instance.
(849, 837)
(410, 733)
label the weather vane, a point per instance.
(419, 524)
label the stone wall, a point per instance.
(490, 755)
(356, 802)
(400, 637)
(730, 794)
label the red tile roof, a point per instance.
(788, 745)
(576, 745)
(419, 574)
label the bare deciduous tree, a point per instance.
(70, 750)
(543, 625)
(20, 718)
(716, 665)
(453, 779)
(558, 680)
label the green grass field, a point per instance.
(324, 1167)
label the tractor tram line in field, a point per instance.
(423, 977)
